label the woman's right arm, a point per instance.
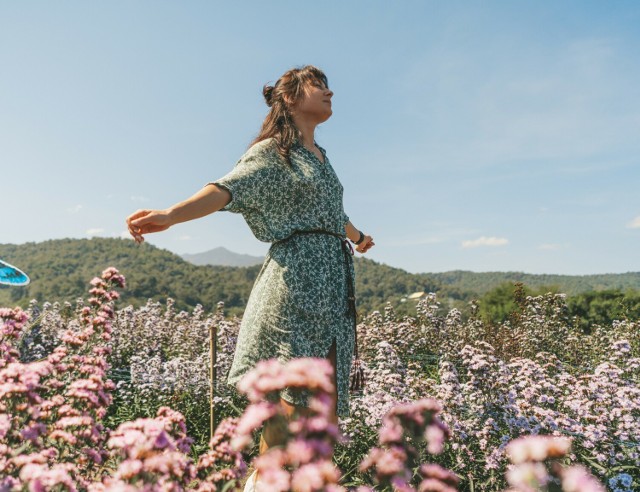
(209, 199)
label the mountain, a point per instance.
(222, 256)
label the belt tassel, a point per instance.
(357, 380)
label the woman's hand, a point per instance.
(147, 221)
(355, 234)
(366, 244)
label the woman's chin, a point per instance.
(326, 116)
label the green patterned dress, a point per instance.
(298, 305)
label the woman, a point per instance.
(301, 304)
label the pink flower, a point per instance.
(128, 469)
(254, 416)
(65, 436)
(5, 425)
(433, 485)
(269, 376)
(314, 476)
(111, 274)
(273, 478)
(537, 448)
(391, 432)
(299, 451)
(438, 473)
(74, 421)
(435, 436)
(391, 462)
(578, 479)
(307, 478)
(40, 478)
(97, 282)
(528, 476)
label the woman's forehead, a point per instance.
(318, 79)
(314, 77)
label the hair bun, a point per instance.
(267, 92)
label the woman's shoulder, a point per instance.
(264, 149)
(262, 155)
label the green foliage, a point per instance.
(601, 308)
(502, 302)
(589, 308)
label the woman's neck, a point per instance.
(307, 129)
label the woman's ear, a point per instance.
(289, 102)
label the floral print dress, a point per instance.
(298, 305)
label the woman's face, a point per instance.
(315, 104)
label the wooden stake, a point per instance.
(213, 332)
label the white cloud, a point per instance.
(485, 241)
(550, 247)
(139, 199)
(635, 223)
(74, 210)
(125, 235)
(184, 238)
(95, 231)
(439, 236)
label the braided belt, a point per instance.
(357, 380)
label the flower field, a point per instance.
(102, 399)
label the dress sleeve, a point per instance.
(248, 184)
(345, 218)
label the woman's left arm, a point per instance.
(354, 235)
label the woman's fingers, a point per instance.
(134, 230)
(366, 244)
(137, 215)
(145, 222)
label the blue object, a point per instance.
(10, 275)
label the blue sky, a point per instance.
(484, 136)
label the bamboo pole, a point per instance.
(213, 332)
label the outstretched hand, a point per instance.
(147, 221)
(366, 244)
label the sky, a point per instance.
(482, 136)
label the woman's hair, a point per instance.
(281, 97)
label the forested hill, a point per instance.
(481, 283)
(60, 270)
